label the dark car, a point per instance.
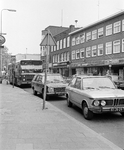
(95, 94)
(55, 85)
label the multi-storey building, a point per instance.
(59, 55)
(54, 30)
(99, 47)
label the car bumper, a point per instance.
(107, 109)
(57, 93)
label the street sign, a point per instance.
(48, 40)
(2, 40)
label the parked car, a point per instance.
(55, 85)
(95, 94)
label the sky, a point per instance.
(23, 28)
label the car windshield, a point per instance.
(93, 83)
(54, 78)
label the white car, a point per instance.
(95, 94)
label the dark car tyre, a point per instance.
(69, 104)
(34, 92)
(86, 112)
(122, 113)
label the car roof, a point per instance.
(88, 76)
(51, 74)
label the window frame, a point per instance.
(94, 34)
(122, 45)
(117, 27)
(88, 49)
(94, 48)
(82, 38)
(100, 32)
(107, 46)
(82, 50)
(116, 44)
(109, 30)
(100, 46)
(88, 36)
(123, 25)
(77, 54)
(73, 55)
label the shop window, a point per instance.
(100, 32)
(116, 46)
(109, 30)
(109, 48)
(117, 27)
(100, 49)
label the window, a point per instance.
(57, 45)
(53, 59)
(73, 55)
(58, 58)
(94, 51)
(82, 38)
(117, 27)
(94, 34)
(68, 41)
(116, 46)
(73, 41)
(122, 45)
(100, 32)
(122, 25)
(64, 56)
(88, 52)
(51, 48)
(109, 30)
(77, 54)
(109, 48)
(88, 36)
(64, 43)
(82, 53)
(54, 48)
(67, 56)
(100, 49)
(78, 40)
(60, 44)
(78, 83)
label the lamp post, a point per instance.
(11, 10)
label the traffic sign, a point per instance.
(2, 40)
(48, 40)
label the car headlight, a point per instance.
(96, 103)
(103, 103)
(23, 79)
(51, 90)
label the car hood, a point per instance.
(104, 93)
(55, 85)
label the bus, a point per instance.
(23, 71)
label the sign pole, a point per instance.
(45, 80)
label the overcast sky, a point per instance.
(23, 27)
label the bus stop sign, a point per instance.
(2, 40)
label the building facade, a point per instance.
(99, 47)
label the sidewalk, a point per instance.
(25, 126)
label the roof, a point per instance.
(98, 22)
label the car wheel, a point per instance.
(69, 104)
(122, 113)
(34, 92)
(86, 112)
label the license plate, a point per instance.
(117, 109)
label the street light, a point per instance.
(11, 10)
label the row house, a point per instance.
(99, 47)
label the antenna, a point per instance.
(98, 9)
(61, 17)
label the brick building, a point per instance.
(99, 47)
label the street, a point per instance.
(110, 126)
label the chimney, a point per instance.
(72, 28)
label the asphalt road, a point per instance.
(110, 126)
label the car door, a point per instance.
(77, 92)
(39, 84)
